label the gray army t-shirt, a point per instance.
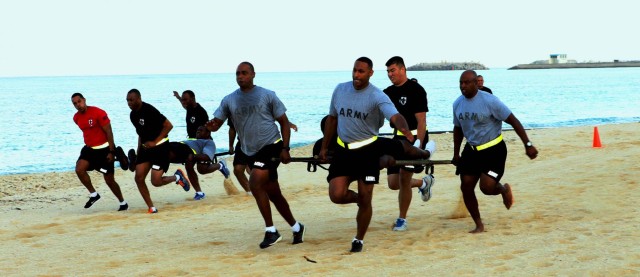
(480, 117)
(360, 113)
(253, 114)
(202, 146)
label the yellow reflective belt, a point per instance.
(357, 144)
(278, 140)
(104, 145)
(193, 150)
(488, 144)
(413, 132)
(162, 141)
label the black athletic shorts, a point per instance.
(158, 156)
(263, 159)
(179, 152)
(490, 161)
(412, 168)
(363, 163)
(239, 157)
(97, 159)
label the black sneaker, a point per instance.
(122, 158)
(298, 237)
(124, 207)
(356, 246)
(270, 238)
(91, 201)
(132, 160)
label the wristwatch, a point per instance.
(528, 144)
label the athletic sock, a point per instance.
(123, 203)
(199, 192)
(424, 184)
(295, 227)
(270, 229)
(93, 194)
(177, 178)
(355, 239)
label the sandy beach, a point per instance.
(575, 214)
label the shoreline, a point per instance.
(574, 214)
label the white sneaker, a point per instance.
(400, 225)
(427, 183)
(431, 147)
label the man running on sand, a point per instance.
(478, 117)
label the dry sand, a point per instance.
(575, 213)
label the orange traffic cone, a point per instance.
(596, 138)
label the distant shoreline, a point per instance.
(442, 66)
(577, 65)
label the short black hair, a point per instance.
(193, 95)
(250, 66)
(135, 91)
(397, 60)
(366, 60)
(77, 94)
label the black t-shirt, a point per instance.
(148, 122)
(486, 89)
(196, 117)
(409, 99)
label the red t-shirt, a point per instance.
(91, 122)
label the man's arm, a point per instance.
(166, 128)
(232, 138)
(401, 124)
(330, 129)
(214, 124)
(531, 151)
(458, 135)
(285, 130)
(177, 95)
(422, 128)
(112, 147)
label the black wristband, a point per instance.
(286, 148)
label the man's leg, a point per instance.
(191, 172)
(405, 194)
(258, 182)
(365, 210)
(158, 179)
(339, 191)
(490, 186)
(238, 171)
(142, 169)
(81, 170)
(113, 185)
(468, 185)
(278, 200)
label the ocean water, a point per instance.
(39, 135)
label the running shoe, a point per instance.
(356, 245)
(92, 199)
(182, 180)
(132, 160)
(123, 207)
(401, 225)
(298, 237)
(122, 158)
(152, 210)
(198, 196)
(224, 169)
(270, 238)
(427, 183)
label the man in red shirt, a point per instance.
(99, 151)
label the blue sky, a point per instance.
(65, 37)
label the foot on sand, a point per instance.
(507, 196)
